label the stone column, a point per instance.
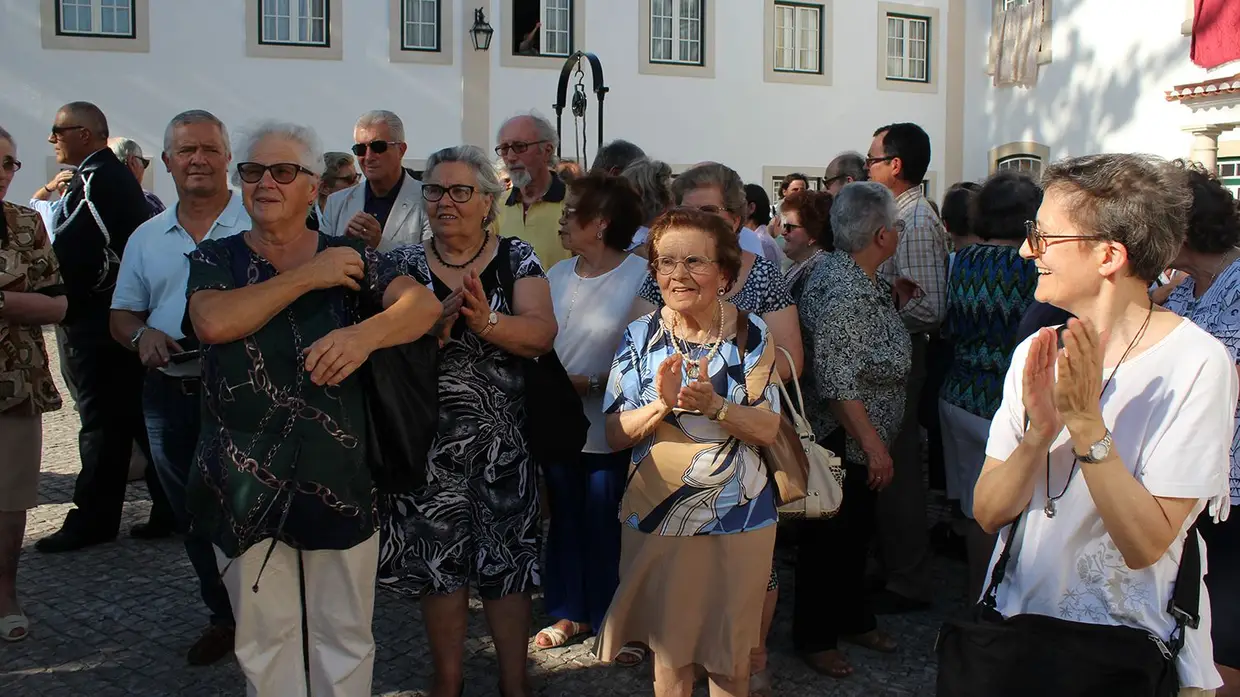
(1205, 145)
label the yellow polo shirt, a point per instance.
(540, 225)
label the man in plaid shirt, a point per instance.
(898, 158)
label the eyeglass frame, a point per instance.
(428, 188)
(12, 165)
(270, 168)
(871, 161)
(58, 132)
(655, 263)
(1034, 235)
(370, 146)
(519, 147)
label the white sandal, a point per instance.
(13, 622)
(558, 636)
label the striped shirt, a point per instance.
(921, 257)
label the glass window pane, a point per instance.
(107, 20)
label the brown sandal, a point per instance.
(874, 640)
(830, 663)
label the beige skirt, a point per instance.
(21, 439)
(692, 600)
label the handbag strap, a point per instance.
(1184, 606)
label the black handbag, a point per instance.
(401, 387)
(555, 419)
(985, 654)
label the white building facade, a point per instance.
(766, 86)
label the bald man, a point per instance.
(101, 207)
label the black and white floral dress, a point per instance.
(478, 515)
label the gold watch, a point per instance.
(722, 414)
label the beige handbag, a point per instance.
(826, 472)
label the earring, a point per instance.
(721, 292)
(599, 234)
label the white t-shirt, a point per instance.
(592, 314)
(1170, 410)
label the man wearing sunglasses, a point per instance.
(846, 168)
(385, 209)
(130, 155)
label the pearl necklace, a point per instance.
(691, 368)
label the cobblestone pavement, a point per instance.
(115, 621)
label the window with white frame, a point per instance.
(798, 37)
(1009, 4)
(111, 18)
(1029, 164)
(1229, 174)
(908, 48)
(815, 184)
(542, 27)
(419, 21)
(293, 22)
(676, 31)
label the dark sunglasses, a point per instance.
(281, 172)
(10, 165)
(349, 179)
(457, 192)
(146, 161)
(58, 131)
(378, 147)
(518, 147)
(871, 161)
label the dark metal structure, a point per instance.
(580, 101)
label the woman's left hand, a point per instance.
(699, 395)
(475, 307)
(1077, 385)
(334, 357)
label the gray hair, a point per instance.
(124, 148)
(719, 176)
(616, 155)
(1140, 201)
(546, 131)
(194, 116)
(859, 211)
(334, 161)
(5, 135)
(846, 164)
(652, 179)
(386, 118)
(308, 142)
(480, 163)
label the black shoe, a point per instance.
(64, 541)
(214, 644)
(891, 603)
(151, 531)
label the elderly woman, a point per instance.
(30, 296)
(1210, 296)
(806, 229)
(1098, 488)
(692, 392)
(591, 293)
(653, 180)
(477, 520)
(859, 359)
(759, 289)
(281, 484)
(988, 291)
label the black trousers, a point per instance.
(108, 379)
(831, 598)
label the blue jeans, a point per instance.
(583, 543)
(171, 408)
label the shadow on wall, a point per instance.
(1083, 99)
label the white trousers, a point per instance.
(339, 605)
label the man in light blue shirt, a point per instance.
(148, 313)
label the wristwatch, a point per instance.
(492, 320)
(592, 385)
(1097, 452)
(137, 336)
(722, 414)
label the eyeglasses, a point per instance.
(457, 192)
(518, 147)
(695, 265)
(146, 161)
(10, 165)
(58, 131)
(378, 147)
(348, 179)
(281, 172)
(871, 161)
(712, 209)
(789, 227)
(1037, 240)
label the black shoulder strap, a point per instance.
(507, 281)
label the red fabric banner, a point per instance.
(1216, 32)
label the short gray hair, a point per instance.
(652, 179)
(5, 135)
(846, 164)
(859, 211)
(124, 148)
(719, 176)
(1140, 201)
(308, 142)
(617, 155)
(546, 131)
(480, 163)
(193, 116)
(333, 161)
(386, 118)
